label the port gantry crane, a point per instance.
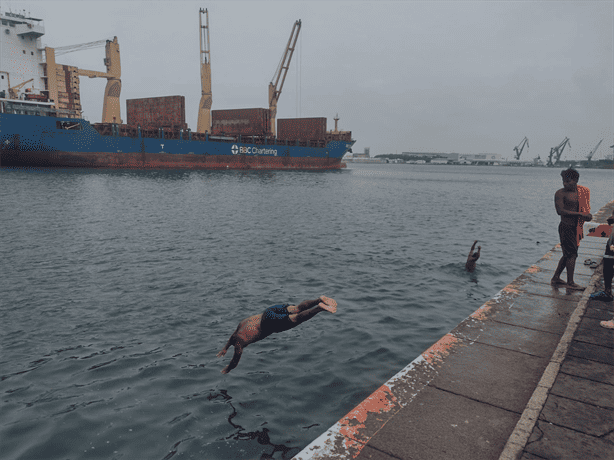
(590, 155)
(110, 108)
(518, 149)
(204, 108)
(558, 151)
(281, 73)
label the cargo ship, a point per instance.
(41, 123)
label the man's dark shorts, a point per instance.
(276, 319)
(569, 239)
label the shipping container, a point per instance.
(250, 122)
(157, 112)
(301, 128)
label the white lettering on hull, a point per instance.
(252, 151)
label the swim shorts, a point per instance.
(276, 319)
(568, 236)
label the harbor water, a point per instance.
(118, 288)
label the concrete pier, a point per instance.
(529, 375)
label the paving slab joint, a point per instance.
(514, 448)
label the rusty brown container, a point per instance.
(301, 128)
(250, 122)
(157, 112)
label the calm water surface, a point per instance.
(118, 288)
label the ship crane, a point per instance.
(518, 149)
(280, 73)
(13, 93)
(111, 108)
(590, 155)
(558, 151)
(204, 109)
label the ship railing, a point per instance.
(123, 130)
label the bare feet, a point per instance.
(225, 370)
(608, 324)
(221, 353)
(328, 304)
(575, 286)
(557, 281)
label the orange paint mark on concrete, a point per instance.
(533, 269)
(440, 349)
(381, 400)
(510, 290)
(480, 313)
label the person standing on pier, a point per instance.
(572, 203)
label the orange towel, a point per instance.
(584, 205)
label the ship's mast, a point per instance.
(204, 108)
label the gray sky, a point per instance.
(430, 76)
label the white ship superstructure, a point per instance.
(21, 55)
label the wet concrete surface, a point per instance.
(529, 375)
(577, 420)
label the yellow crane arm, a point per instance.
(13, 89)
(93, 73)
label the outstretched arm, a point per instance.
(230, 342)
(235, 359)
(473, 247)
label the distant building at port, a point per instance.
(364, 157)
(452, 158)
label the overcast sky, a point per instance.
(425, 76)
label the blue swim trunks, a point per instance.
(569, 242)
(276, 319)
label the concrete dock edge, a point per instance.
(493, 373)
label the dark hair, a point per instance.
(570, 174)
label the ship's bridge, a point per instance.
(30, 30)
(24, 26)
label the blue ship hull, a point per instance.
(42, 141)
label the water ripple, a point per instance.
(119, 288)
